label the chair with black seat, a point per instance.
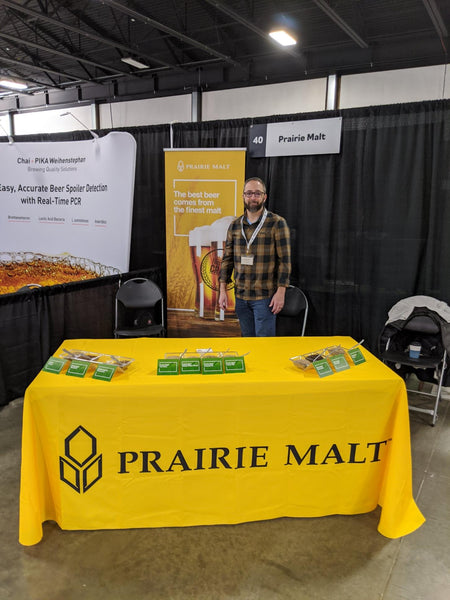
(139, 309)
(431, 364)
(291, 320)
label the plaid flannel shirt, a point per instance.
(271, 251)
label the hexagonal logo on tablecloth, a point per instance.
(81, 465)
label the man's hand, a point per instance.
(277, 302)
(223, 303)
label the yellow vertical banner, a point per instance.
(203, 196)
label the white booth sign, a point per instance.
(71, 198)
(316, 136)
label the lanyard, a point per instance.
(257, 230)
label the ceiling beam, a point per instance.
(341, 23)
(161, 27)
(437, 20)
(78, 31)
(12, 38)
(31, 67)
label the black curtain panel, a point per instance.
(34, 323)
(148, 242)
(369, 225)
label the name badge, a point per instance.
(247, 260)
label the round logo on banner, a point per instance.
(210, 269)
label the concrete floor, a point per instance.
(330, 558)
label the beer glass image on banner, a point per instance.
(206, 244)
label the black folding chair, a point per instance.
(291, 320)
(139, 309)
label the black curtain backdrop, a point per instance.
(369, 226)
(33, 324)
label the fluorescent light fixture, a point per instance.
(13, 85)
(283, 37)
(134, 63)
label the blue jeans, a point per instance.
(256, 318)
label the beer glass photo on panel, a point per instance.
(206, 245)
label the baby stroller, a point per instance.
(424, 322)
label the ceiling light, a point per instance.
(134, 63)
(283, 37)
(13, 85)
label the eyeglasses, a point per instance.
(256, 194)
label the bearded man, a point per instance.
(258, 250)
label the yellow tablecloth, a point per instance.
(150, 451)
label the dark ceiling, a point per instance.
(70, 50)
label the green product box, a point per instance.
(77, 368)
(191, 366)
(234, 364)
(54, 365)
(357, 356)
(323, 368)
(339, 362)
(104, 372)
(212, 366)
(168, 366)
